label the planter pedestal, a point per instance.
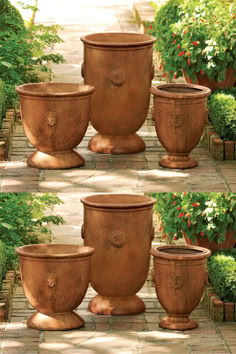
(55, 321)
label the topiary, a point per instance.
(222, 113)
(11, 20)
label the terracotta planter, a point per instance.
(202, 241)
(180, 112)
(180, 274)
(119, 65)
(55, 279)
(120, 227)
(203, 80)
(55, 118)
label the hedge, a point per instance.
(11, 20)
(3, 106)
(222, 113)
(222, 274)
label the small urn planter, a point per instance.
(119, 227)
(55, 278)
(55, 118)
(180, 112)
(180, 275)
(119, 65)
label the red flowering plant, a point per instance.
(205, 214)
(196, 36)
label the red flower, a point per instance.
(188, 215)
(180, 215)
(233, 17)
(170, 233)
(173, 35)
(175, 76)
(183, 213)
(173, 196)
(164, 75)
(185, 31)
(150, 26)
(195, 43)
(185, 193)
(202, 233)
(189, 62)
(171, 71)
(202, 20)
(175, 238)
(201, 72)
(174, 203)
(164, 236)
(179, 46)
(160, 228)
(174, 41)
(189, 223)
(181, 53)
(160, 67)
(188, 53)
(179, 208)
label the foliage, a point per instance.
(222, 273)
(204, 214)
(197, 36)
(22, 52)
(22, 217)
(222, 113)
(11, 19)
(3, 261)
(2, 101)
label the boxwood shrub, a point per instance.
(222, 274)
(3, 260)
(222, 113)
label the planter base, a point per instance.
(106, 144)
(103, 305)
(178, 323)
(55, 321)
(178, 161)
(55, 160)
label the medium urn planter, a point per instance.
(203, 241)
(55, 118)
(119, 226)
(55, 278)
(180, 112)
(119, 65)
(180, 274)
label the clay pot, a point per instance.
(203, 80)
(180, 112)
(119, 65)
(55, 118)
(120, 227)
(180, 274)
(55, 278)
(202, 241)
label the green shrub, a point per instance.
(222, 273)
(11, 20)
(222, 113)
(2, 101)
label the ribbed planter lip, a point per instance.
(118, 201)
(54, 251)
(180, 91)
(180, 253)
(55, 89)
(118, 39)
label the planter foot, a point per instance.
(55, 321)
(178, 323)
(103, 305)
(175, 161)
(56, 160)
(106, 144)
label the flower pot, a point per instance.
(55, 279)
(180, 274)
(120, 227)
(203, 80)
(203, 241)
(180, 112)
(119, 65)
(55, 118)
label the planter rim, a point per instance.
(159, 90)
(27, 89)
(147, 201)
(91, 39)
(159, 252)
(77, 251)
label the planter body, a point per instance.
(180, 112)
(202, 241)
(120, 227)
(55, 118)
(203, 80)
(55, 279)
(180, 274)
(119, 65)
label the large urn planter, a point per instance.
(55, 278)
(229, 81)
(119, 65)
(55, 118)
(180, 112)
(120, 227)
(203, 241)
(180, 275)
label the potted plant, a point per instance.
(197, 38)
(204, 219)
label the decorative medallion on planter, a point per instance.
(55, 118)
(180, 113)
(119, 65)
(180, 278)
(123, 227)
(55, 279)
